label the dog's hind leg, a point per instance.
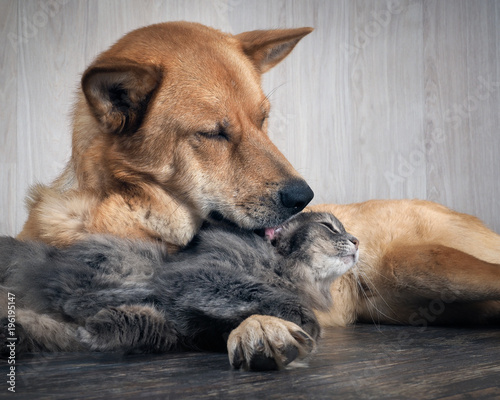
(128, 328)
(434, 284)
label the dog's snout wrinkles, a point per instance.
(296, 195)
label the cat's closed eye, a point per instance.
(330, 227)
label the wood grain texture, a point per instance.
(386, 89)
(8, 113)
(385, 99)
(361, 362)
(462, 106)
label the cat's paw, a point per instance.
(128, 328)
(87, 340)
(263, 343)
(98, 333)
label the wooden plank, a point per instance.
(9, 202)
(386, 71)
(462, 104)
(483, 107)
(47, 78)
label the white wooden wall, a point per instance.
(385, 99)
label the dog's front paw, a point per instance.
(263, 343)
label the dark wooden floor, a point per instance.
(359, 362)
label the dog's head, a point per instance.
(179, 106)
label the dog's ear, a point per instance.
(267, 48)
(118, 93)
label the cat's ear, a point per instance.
(283, 246)
(266, 48)
(118, 93)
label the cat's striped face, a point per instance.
(320, 240)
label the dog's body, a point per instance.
(112, 294)
(420, 264)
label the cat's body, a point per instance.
(112, 294)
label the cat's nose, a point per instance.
(354, 241)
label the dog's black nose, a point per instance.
(296, 195)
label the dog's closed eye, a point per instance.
(219, 134)
(263, 121)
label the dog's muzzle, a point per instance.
(289, 199)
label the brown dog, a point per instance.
(420, 264)
(169, 129)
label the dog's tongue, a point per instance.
(269, 233)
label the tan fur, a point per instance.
(146, 159)
(270, 336)
(420, 263)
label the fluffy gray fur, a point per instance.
(113, 294)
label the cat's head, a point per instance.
(319, 245)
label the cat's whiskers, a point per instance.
(358, 272)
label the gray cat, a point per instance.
(111, 294)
